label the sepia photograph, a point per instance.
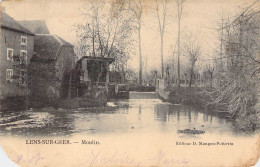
(129, 83)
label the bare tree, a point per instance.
(106, 31)
(136, 8)
(235, 90)
(107, 27)
(210, 71)
(193, 51)
(221, 41)
(162, 14)
(180, 9)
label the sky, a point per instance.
(197, 17)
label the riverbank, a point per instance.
(141, 88)
(21, 103)
(196, 97)
(184, 95)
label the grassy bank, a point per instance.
(20, 103)
(186, 95)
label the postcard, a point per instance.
(129, 83)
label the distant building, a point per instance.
(50, 67)
(35, 26)
(17, 47)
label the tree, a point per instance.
(235, 89)
(180, 8)
(193, 52)
(106, 31)
(136, 9)
(162, 18)
(120, 64)
(210, 71)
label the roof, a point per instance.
(8, 22)
(48, 46)
(35, 26)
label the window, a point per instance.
(10, 54)
(22, 77)
(9, 75)
(23, 40)
(23, 57)
(81, 79)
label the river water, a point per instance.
(135, 115)
(140, 131)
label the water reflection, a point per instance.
(127, 116)
(36, 123)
